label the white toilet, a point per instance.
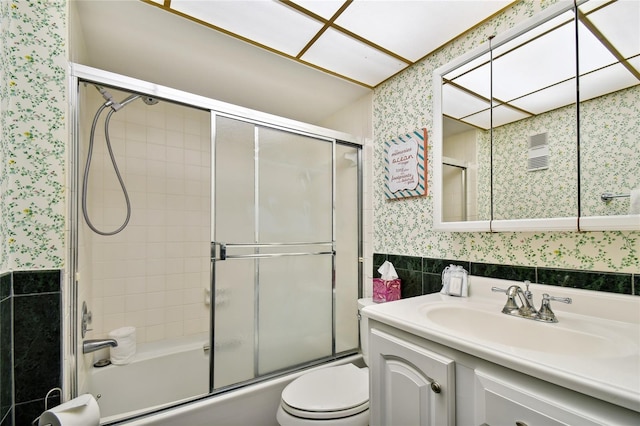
(338, 396)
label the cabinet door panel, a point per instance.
(403, 378)
(404, 388)
(500, 403)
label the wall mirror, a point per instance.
(533, 127)
(609, 52)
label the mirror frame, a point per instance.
(572, 223)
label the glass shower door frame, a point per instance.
(229, 251)
(72, 293)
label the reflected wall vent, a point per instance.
(538, 158)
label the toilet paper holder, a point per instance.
(46, 405)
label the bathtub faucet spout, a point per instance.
(97, 344)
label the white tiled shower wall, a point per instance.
(153, 274)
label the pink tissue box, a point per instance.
(386, 290)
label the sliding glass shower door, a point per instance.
(274, 251)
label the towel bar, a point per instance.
(607, 196)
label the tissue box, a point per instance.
(386, 290)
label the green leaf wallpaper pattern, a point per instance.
(405, 227)
(33, 119)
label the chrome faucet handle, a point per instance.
(528, 307)
(545, 313)
(511, 307)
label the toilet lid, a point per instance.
(328, 392)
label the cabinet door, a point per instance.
(501, 403)
(410, 385)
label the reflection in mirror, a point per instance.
(466, 165)
(534, 161)
(609, 49)
(533, 116)
(464, 170)
(536, 157)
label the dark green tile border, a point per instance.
(436, 266)
(430, 280)
(37, 345)
(505, 272)
(5, 286)
(598, 281)
(32, 317)
(35, 282)
(409, 263)
(6, 357)
(7, 420)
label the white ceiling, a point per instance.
(364, 41)
(303, 60)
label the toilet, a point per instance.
(338, 396)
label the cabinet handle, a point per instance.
(518, 423)
(436, 388)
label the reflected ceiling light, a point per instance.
(536, 74)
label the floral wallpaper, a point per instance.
(609, 151)
(609, 155)
(517, 191)
(405, 227)
(33, 126)
(33, 120)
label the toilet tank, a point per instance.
(364, 329)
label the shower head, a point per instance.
(117, 105)
(149, 100)
(146, 99)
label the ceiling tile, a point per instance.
(458, 104)
(269, 23)
(351, 58)
(324, 8)
(413, 29)
(549, 98)
(607, 80)
(515, 76)
(620, 24)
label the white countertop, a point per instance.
(612, 375)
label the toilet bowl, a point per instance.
(333, 395)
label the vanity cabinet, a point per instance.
(415, 381)
(411, 385)
(501, 402)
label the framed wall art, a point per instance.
(406, 165)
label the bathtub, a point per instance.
(254, 404)
(160, 373)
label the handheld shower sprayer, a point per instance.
(115, 107)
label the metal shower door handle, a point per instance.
(223, 251)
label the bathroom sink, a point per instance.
(569, 337)
(593, 349)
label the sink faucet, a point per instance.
(93, 345)
(526, 308)
(546, 314)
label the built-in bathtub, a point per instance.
(165, 373)
(160, 373)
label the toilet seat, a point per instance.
(328, 393)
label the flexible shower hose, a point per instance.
(85, 180)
